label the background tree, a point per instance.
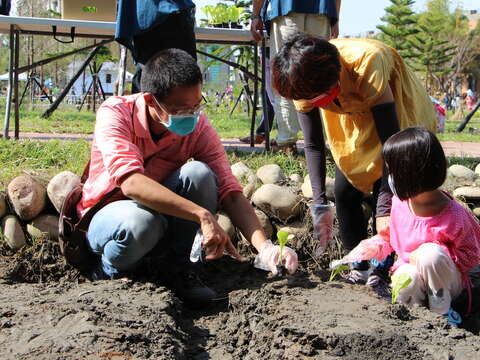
(456, 32)
(400, 26)
(431, 52)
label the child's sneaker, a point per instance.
(379, 285)
(359, 273)
(453, 318)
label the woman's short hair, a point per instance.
(415, 159)
(305, 67)
(168, 69)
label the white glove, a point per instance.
(267, 258)
(322, 218)
(374, 247)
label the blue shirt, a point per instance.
(137, 16)
(283, 7)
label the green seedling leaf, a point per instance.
(89, 9)
(399, 282)
(282, 237)
(337, 271)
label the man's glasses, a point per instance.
(190, 111)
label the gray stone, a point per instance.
(226, 224)
(248, 190)
(296, 178)
(296, 229)
(44, 226)
(59, 187)
(462, 174)
(243, 173)
(3, 205)
(469, 193)
(278, 201)
(271, 174)
(329, 187)
(27, 196)
(265, 223)
(477, 169)
(476, 212)
(13, 233)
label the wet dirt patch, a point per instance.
(255, 316)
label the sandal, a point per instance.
(258, 139)
(287, 148)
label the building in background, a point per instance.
(107, 76)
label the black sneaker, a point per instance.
(188, 287)
(98, 273)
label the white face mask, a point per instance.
(391, 183)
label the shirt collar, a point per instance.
(140, 117)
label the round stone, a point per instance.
(27, 196)
(271, 174)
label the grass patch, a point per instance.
(63, 121)
(69, 120)
(42, 160)
(469, 162)
(465, 136)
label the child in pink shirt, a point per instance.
(436, 240)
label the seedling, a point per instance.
(337, 270)
(282, 237)
(89, 9)
(399, 282)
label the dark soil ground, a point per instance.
(48, 311)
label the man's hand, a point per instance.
(268, 258)
(256, 28)
(216, 240)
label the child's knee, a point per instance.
(430, 255)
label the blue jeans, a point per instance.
(124, 231)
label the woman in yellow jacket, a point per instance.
(366, 93)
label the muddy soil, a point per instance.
(255, 317)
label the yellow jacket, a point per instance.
(367, 67)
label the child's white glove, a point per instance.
(267, 258)
(374, 247)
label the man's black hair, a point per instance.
(168, 69)
(416, 161)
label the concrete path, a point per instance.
(452, 148)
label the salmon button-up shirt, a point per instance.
(122, 141)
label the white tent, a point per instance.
(22, 77)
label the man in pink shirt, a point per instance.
(142, 144)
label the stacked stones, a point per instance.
(280, 198)
(466, 186)
(29, 211)
(275, 197)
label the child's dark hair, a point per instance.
(168, 69)
(416, 161)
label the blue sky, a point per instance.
(359, 16)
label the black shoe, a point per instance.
(98, 273)
(188, 287)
